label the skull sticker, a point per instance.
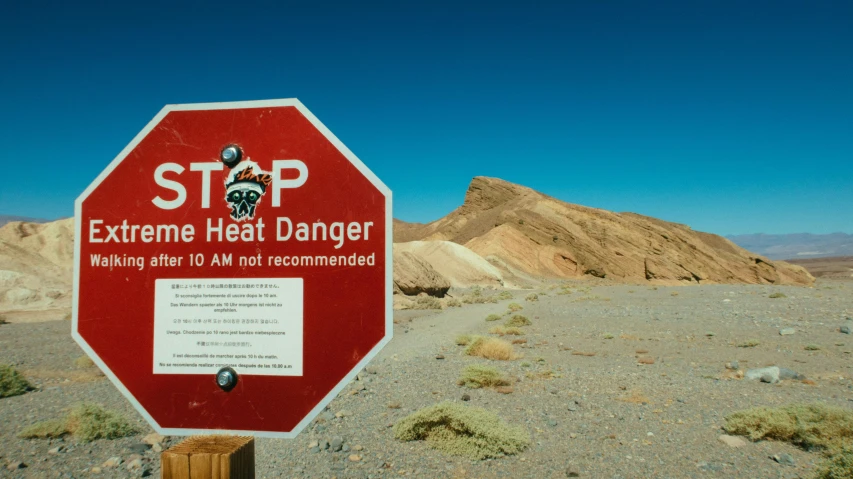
(244, 188)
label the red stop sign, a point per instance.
(241, 235)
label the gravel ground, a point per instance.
(600, 416)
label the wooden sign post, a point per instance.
(210, 457)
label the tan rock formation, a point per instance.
(413, 275)
(36, 262)
(461, 266)
(534, 234)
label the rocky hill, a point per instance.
(36, 262)
(525, 232)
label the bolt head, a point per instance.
(231, 155)
(224, 378)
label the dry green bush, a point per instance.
(463, 339)
(493, 317)
(45, 430)
(83, 362)
(518, 321)
(749, 344)
(86, 422)
(502, 331)
(478, 376)
(812, 347)
(454, 303)
(838, 466)
(532, 297)
(12, 383)
(810, 426)
(515, 307)
(460, 430)
(777, 295)
(426, 302)
(490, 348)
(607, 336)
(504, 295)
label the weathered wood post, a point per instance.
(210, 457)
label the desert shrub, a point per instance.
(515, 307)
(460, 430)
(504, 295)
(12, 383)
(426, 302)
(518, 320)
(607, 336)
(839, 465)
(478, 376)
(45, 430)
(463, 340)
(83, 362)
(89, 421)
(86, 422)
(502, 331)
(749, 344)
(493, 317)
(454, 303)
(777, 295)
(674, 293)
(532, 297)
(810, 426)
(490, 348)
(812, 347)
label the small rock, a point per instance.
(336, 444)
(157, 448)
(15, 465)
(96, 470)
(783, 458)
(768, 374)
(140, 448)
(358, 447)
(552, 422)
(787, 331)
(572, 472)
(313, 444)
(732, 441)
(314, 449)
(153, 438)
(573, 407)
(732, 365)
(134, 464)
(56, 450)
(439, 356)
(466, 397)
(324, 445)
(345, 448)
(354, 457)
(343, 413)
(573, 435)
(845, 329)
(112, 462)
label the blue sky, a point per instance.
(732, 117)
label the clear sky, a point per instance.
(732, 117)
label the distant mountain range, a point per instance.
(10, 218)
(797, 245)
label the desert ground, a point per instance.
(614, 381)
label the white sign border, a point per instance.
(389, 275)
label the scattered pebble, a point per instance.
(354, 457)
(732, 441)
(784, 458)
(845, 329)
(787, 331)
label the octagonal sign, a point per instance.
(233, 235)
